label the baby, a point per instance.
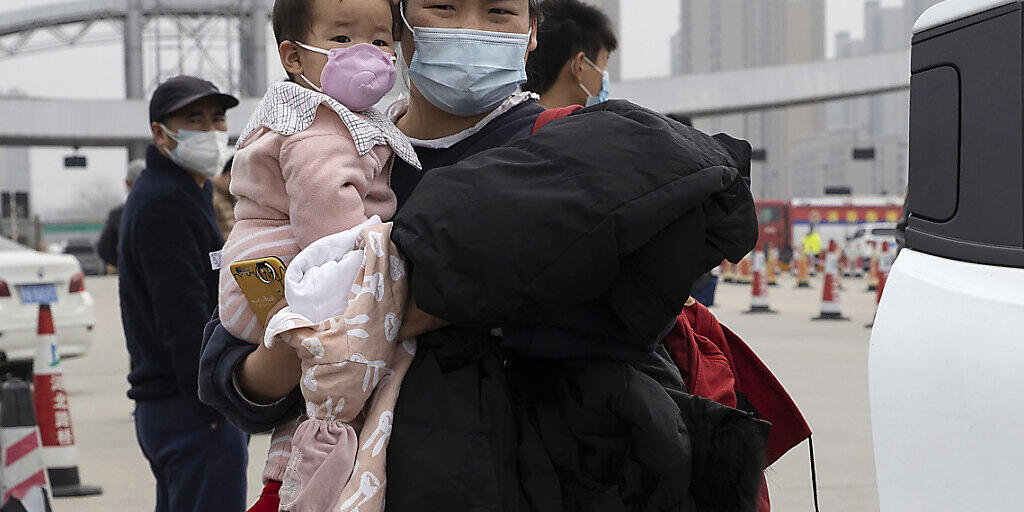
(315, 158)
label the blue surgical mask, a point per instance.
(605, 86)
(467, 72)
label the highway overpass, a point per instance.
(32, 121)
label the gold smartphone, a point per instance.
(262, 283)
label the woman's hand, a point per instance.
(268, 374)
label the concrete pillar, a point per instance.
(134, 83)
(253, 29)
(134, 79)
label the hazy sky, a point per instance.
(97, 72)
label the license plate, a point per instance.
(37, 294)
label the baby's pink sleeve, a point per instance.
(325, 178)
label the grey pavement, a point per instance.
(822, 364)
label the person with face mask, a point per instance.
(460, 438)
(168, 292)
(456, 107)
(570, 65)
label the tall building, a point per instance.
(15, 185)
(878, 122)
(720, 35)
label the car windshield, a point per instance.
(6, 244)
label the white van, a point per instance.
(946, 365)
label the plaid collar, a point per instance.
(288, 108)
(401, 106)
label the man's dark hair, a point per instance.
(567, 27)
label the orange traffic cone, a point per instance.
(728, 272)
(759, 286)
(51, 403)
(744, 276)
(23, 479)
(772, 270)
(831, 307)
(803, 273)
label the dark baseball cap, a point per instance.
(181, 91)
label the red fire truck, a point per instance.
(844, 219)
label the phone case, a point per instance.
(262, 282)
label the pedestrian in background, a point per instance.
(569, 66)
(223, 201)
(168, 292)
(107, 245)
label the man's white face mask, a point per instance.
(204, 153)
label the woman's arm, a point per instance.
(267, 374)
(219, 386)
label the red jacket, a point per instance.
(717, 364)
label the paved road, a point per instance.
(823, 364)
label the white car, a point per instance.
(877, 232)
(946, 361)
(29, 277)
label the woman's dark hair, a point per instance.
(567, 27)
(534, 5)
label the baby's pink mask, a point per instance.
(357, 76)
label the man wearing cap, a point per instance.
(107, 244)
(168, 292)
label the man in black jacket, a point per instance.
(168, 291)
(107, 245)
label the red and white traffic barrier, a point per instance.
(54, 414)
(831, 305)
(759, 302)
(23, 479)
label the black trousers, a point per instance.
(197, 468)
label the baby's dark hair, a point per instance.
(292, 20)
